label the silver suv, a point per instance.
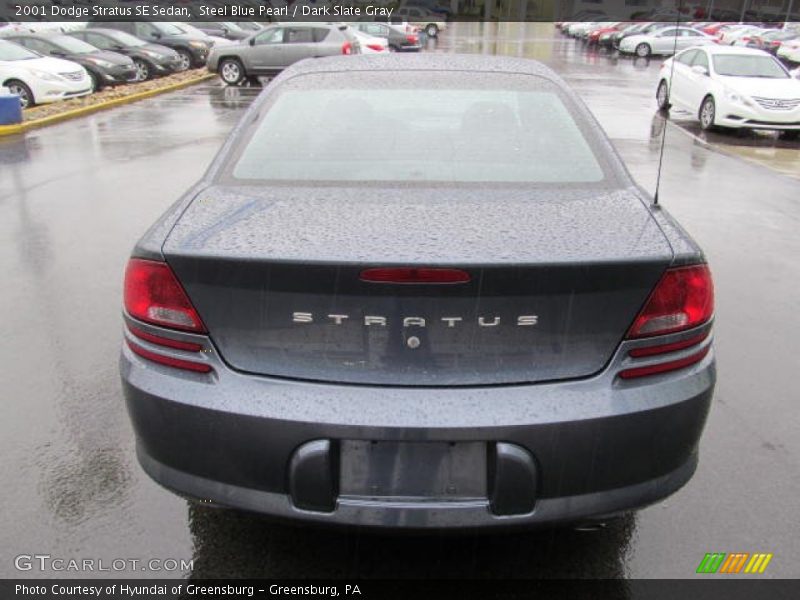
(271, 50)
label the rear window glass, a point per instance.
(407, 127)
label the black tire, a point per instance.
(707, 113)
(143, 70)
(662, 96)
(96, 83)
(432, 30)
(25, 94)
(643, 50)
(231, 71)
(186, 59)
(791, 135)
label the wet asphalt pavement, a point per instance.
(75, 197)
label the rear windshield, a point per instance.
(418, 126)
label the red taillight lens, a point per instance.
(412, 39)
(682, 299)
(376, 47)
(414, 275)
(665, 367)
(153, 295)
(347, 48)
(169, 361)
(166, 342)
(667, 348)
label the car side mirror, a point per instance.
(252, 41)
(700, 70)
(155, 35)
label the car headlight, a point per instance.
(45, 75)
(195, 44)
(151, 54)
(737, 98)
(102, 63)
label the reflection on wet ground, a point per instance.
(267, 549)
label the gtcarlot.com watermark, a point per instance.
(57, 564)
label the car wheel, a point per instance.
(432, 30)
(186, 60)
(643, 50)
(662, 96)
(18, 88)
(231, 71)
(96, 85)
(142, 70)
(708, 113)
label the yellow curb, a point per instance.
(87, 110)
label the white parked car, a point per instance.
(37, 79)
(726, 86)
(667, 40)
(428, 22)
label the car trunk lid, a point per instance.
(556, 276)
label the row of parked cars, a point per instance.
(727, 75)
(662, 38)
(60, 61)
(64, 62)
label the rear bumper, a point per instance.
(587, 448)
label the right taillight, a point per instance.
(154, 295)
(347, 48)
(682, 299)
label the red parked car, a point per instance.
(595, 34)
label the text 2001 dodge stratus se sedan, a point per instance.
(477, 321)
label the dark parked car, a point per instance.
(223, 29)
(398, 40)
(276, 47)
(192, 48)
(105, 68)
(150, 60)
(495, 328)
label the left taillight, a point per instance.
(347, 48)
(154, 295)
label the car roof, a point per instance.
(464, 63)
(106, 30)
(740, 50)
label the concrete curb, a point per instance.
(87, 110)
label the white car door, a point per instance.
(681, 78)
(699, 80)
(664, 41)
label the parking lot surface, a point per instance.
(75, 197)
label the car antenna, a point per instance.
(664, 133)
